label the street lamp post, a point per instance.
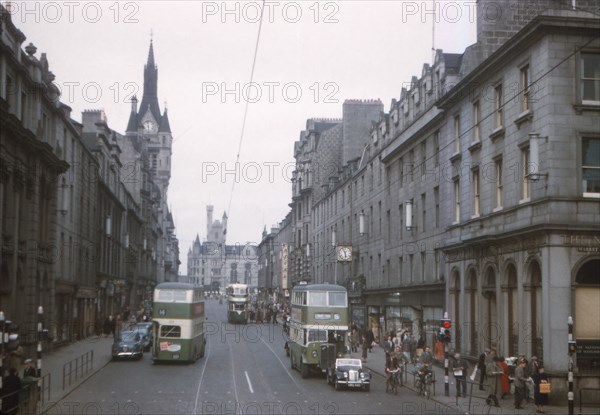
(571, 342)
(2, 328)
(40, 315)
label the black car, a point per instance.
(349, 373)
(145, 330)
(128, 344)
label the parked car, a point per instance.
(128, 344)
(145, 330)
(349, 373)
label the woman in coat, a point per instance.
(505, 382)
(540, 399)
(493, 380)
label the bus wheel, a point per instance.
(303, 369)
(202, 351)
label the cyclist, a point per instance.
(423, 378)
(392, 370)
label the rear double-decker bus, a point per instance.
(237, 303)
(318, 327)
(178, 322)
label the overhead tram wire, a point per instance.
(239, 150)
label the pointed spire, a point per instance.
(164, 127)
(132, 125)
(150, 63)
(150, 97)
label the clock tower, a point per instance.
(150, 130)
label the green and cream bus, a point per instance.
(178, 322)
(318, 327)
(237, 303)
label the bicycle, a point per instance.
(423, 384)
(393, 381)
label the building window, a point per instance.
(400, 270)
(411, 267)
(436, 196)
(411, 163)
(436, 148)
(401, 215)
(525, 190)
(456, 200)
(476, 193)
(590, 78)
(498, 106)
(401, 172)
(423, 158)
(590, 166)
(499, 195)
(423, 213)
(422, 266)
(457, 134)
(476, 119)
(525, 81)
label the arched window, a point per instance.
(491, 332)
(512, 310)
(455, 292)
(471, 294)
(535, 332)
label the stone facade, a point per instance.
(214, 265)
(83, 219)
(476, 195)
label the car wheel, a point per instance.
(368, 388)
(337, 385)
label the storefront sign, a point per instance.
(588, 348)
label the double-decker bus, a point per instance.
(237, 303)
(178, 322)
(318, 327)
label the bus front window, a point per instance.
(337, 299)
(318, 299)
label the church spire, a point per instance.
(150, 97)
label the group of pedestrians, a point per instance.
(528, 375)
(12, 385)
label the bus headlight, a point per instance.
(314, 353)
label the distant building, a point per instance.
(213, 264)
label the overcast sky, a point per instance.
(311, 57)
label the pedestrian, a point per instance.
(15, 358)
(107, 325)
(29, 370)
(365, 347)
(11, 388)
(370, 338)
(481, 367)
(459, 367)
(539, 398)
(406, 347)
(427, 357)
(505, 380)
(388, 346)
(275, 315)
(493, 372)
(532, 370)
(520, 381)
(355, 339)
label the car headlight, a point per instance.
(362, 375)
(344, 375)
(314, 353)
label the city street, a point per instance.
(244, 371)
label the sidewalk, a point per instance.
(71, 365)
(376, 364)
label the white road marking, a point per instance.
(207, 350)
(249, 383)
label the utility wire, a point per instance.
(239, 150)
